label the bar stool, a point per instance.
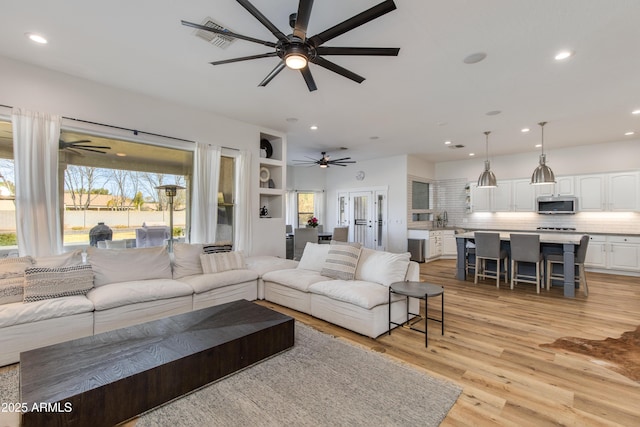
(468, 264)
(526, 248)
(581, 254)
(488, 248)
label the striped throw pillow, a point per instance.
(341, 261)
(42, 283)
(12, 278)
(222, 261)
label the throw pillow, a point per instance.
(224, 261)
(66, 259)
(314, 256)
(216, 248)
(42, 283)
(341, 261)
(12, 278)
(186, 259)
(124, 265)
(382, 267)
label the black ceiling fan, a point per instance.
(325, 161)
(74, 146)
(296, 50)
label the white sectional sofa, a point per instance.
(131, 286)
(361, 304)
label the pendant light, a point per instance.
(543, 173)
(487, 179)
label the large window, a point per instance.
(226, 202)
(114, 182)
(8, 239)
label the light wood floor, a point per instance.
(491, 348)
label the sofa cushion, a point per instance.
(263, 264)
(28, 312)
(222, 261)
(314, 256)
(186, 259)
(124, 265)
(341, 261)
(12, 278)
(43, 283)
(66, 259)
(380, 267)
(295, 278)
(363, 294)
(205, 282)
(137, 291)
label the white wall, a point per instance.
(38, 89)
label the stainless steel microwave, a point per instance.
(557, 205)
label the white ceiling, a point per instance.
(412, 103)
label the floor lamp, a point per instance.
(170, 191)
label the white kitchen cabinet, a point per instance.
(449, 248)
(480, 198)
(618, 191)
(564, 186)
(435, 244)
(524, 195)
(502, 201)
(591, 192)
(622, 191)
(596, 252)
(624, 253)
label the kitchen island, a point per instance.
(549, 242)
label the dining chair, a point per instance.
(300, 238)
(488, 248)
(525, 248)
(580, 256)
(288, 229)
(340, 234)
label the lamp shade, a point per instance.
(543, 173)
(487, 178)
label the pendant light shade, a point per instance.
(543, 173)
(487, 178)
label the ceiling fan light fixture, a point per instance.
(295, 58)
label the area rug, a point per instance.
(321, 381)
(621, 355)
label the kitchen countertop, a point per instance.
(552, 231)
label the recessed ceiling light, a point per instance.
(538, 145)
(121, 154)
(472, 154)
(37, 38)
(636, 112)
(291, 119)
(447, 143)
(563, 54)
(493, 113)
(313, 127)
(525, 130)
(629, 133)
(474, 58)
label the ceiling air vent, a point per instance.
(456, 146)
(215, 39)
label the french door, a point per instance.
(365, 212)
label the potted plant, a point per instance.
(313, 222)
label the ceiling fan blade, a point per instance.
(228, 33)
(371, 51)
(308, 78)
(353, 22)
(342, 163)
(337, 69)
(90, 149)
(341, 160)
(74, 145)
(302, 19)
(244, 58)
(263, 19)
(281, 65)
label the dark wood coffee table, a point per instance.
(111, 377)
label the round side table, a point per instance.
(423, 291)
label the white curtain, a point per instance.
(243, 209)
(291, 208)
(318, 208)
(204, 204)
(35, 149)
